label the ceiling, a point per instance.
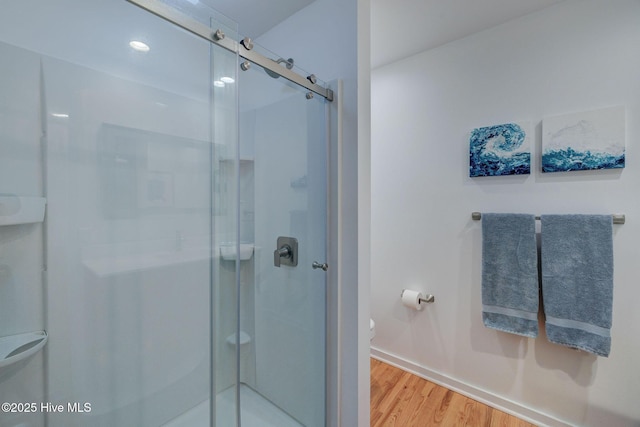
(256, 17)
(96, 34)
(401, 28)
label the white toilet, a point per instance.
(372, 329)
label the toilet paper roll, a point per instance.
(412, 299)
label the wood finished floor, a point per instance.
(401, 399)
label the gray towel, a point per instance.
(577, 280)
(510, 288)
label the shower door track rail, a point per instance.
(243, 49)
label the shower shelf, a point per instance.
(16, 348)
(228, 251)
(21, 210)
(244, 339)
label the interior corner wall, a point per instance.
(364, 210)
(577, 55)
(322, 38)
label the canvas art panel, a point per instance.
(588, 140)
(500, 150)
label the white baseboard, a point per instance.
(485, 397)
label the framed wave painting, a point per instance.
(500, 150)
(584, 141)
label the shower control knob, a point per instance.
(316, 265)
(286, 252)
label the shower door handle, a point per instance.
(316, 265)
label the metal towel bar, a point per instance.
(617, 218)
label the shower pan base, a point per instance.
(256, 411)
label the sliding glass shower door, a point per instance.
(283, 213)
(111, 116)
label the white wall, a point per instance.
(575, 56)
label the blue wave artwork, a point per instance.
(499, 150)
(588, 140)
(572, 160)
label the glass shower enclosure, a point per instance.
(163, 217)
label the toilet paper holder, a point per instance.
(427, 299)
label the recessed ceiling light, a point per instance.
(139, 46)
(60, 115)
(227, 79)
(218, 83)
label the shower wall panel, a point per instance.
(21, 246)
